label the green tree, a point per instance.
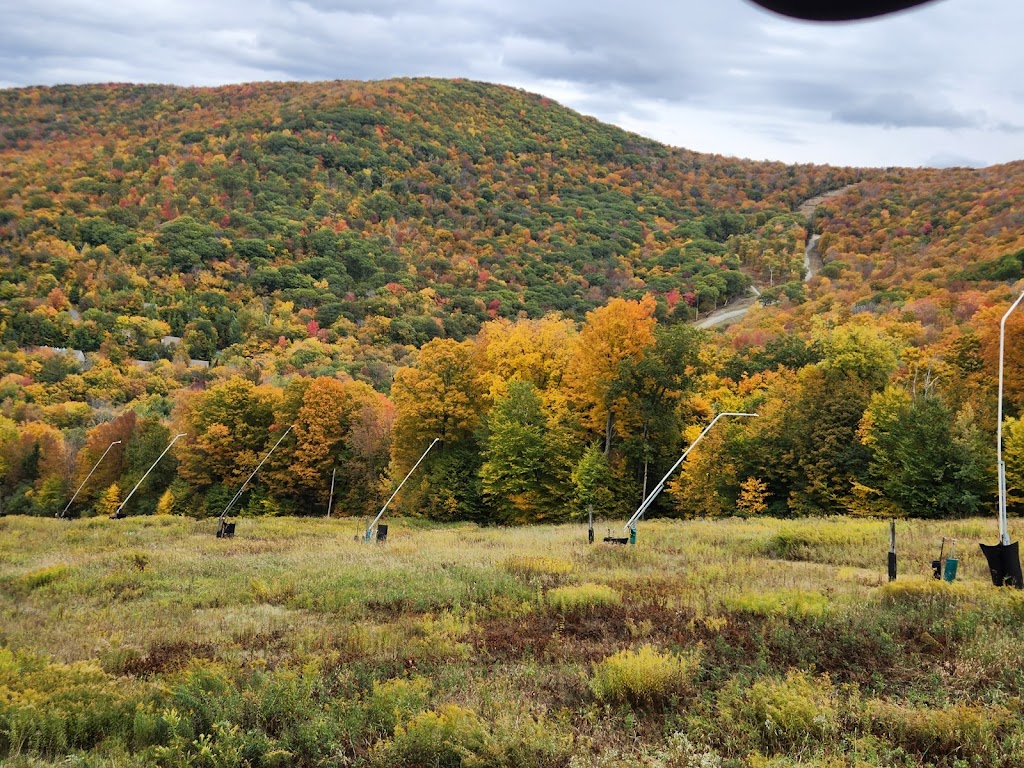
(921, 458)
(515, 456)
(593, 483)
(650, 389)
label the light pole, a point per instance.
(1004, 535)
(117, 512)
(631, 525)
(64, 512)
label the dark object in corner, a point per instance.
(837, 10)
(225, 530)
(382, 533)
(1004, 564)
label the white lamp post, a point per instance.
(1004, 535)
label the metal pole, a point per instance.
(65, 510)
(1004, 535)
(241, 490)
(330, 500)
(117, 512)
(369, 528)
(661, 485)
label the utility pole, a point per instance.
(330, 500)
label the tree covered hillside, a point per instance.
(379, 264)
(394, 212)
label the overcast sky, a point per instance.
(938, 85)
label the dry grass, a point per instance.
(515, 620)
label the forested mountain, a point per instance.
(307, 240)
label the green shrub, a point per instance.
(394, 702)
(41, 577)
(921, 593)
(783, 715)
(582, 597)
(543, 568)
(454, 736)
(434, 739)
(644, 676)
(957, 732)
(783, 602)
(49, 709)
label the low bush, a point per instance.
(542, 568)
(40, 577)
(957, 734)
(50, 709)
(786, 602)
(582, 597)
(453, 736)
(434, 739)
(644, 676)
(394, 702)
(788, 716)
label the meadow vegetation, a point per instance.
(731, 643)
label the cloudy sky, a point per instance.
(939, 85)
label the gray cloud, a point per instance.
(903, 110)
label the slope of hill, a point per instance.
(506, 274)
(417, 208)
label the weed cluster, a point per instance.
(582, 597)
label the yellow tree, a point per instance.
(438, 397)
(752, 498)
(344, 425)
(1013, 455)
(535, 351)
(229, 427)
(109, 501)
(618, 332)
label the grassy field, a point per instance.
(147, 641)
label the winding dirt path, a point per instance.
(812, 258)
(812, 265)
(730, 313)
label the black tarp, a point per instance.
(1004, 564)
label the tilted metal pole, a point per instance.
(241, 490)
(117, 512)
(1004, 534)
(330, 501)
(370, 527)
(65, 510)
(661, 485)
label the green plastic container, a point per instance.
(632, 535)
(949, 572)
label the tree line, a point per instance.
(544, 419)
